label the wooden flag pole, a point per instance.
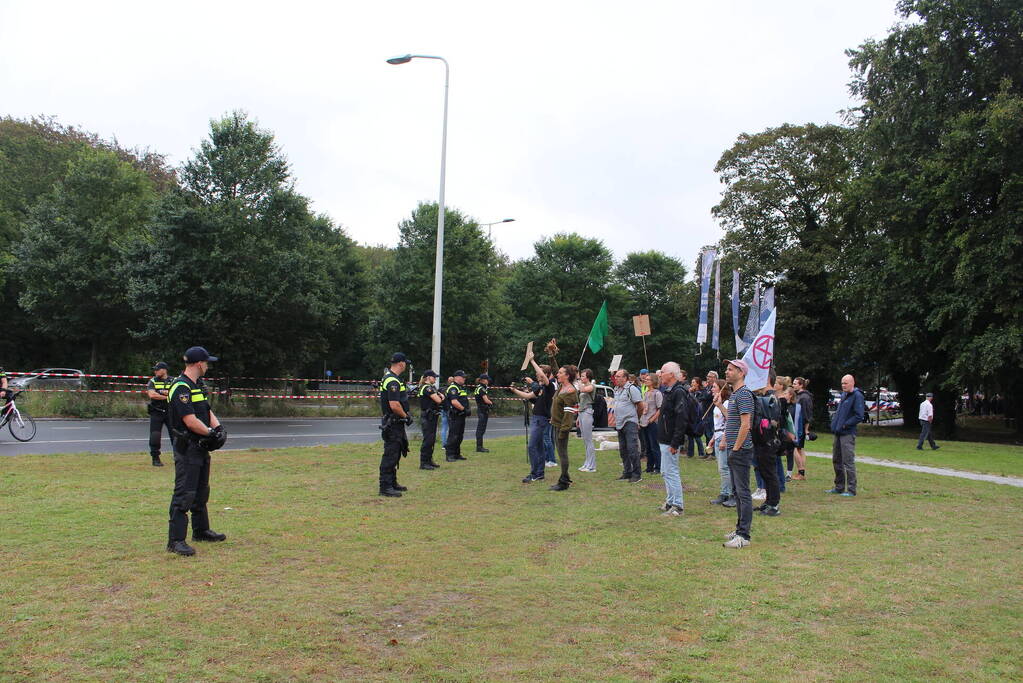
(644, 351)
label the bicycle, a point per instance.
(21, 424)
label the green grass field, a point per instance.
(987, 458)
(473, 576)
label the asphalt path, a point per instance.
(132, 436)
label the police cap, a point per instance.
(484, 376)
(197, 354)
(429, 373)
(399, 358)
(458, 373)
(161, 366)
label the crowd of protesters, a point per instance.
(659, 415)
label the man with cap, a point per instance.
(430, 400)
(926, 417)
(395, 409)
(157, 388)
(483, 405)
(457, 398)
(197, 431)
(739, 440)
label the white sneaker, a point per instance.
(736, 542)
(554, 464)
(584, 469)
(760, 494)
(664, 507)
(673, 511)
(730, 535)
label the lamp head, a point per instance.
(404, 59)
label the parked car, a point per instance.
(43, 379)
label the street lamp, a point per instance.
(438, 276)
(488, 225)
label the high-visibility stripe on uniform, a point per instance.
(388, 380)
(196, 394)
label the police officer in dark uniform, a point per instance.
(457, 403)
(159, 385)
(430, 401)
(395, 409)
(483, 406)
(197, 431)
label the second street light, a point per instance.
(490, 225)
(438, 281)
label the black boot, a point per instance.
(390, 492)
(399, 487)
(427, 466)
(180, 548)
(480, 448)
(208, 535)
(156, 461)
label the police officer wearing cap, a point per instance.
(430, 401)
(457, 402)
(157, 388)
(483, 406)
(395, 408)
(197, 431)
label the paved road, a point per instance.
(129, 436)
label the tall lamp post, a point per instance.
(489, 225)
(438, 277)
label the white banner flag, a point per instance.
(760, 354)
(707, 265)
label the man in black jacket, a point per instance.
(671, 434)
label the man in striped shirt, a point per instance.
(739, 440)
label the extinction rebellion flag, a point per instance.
(760, 354)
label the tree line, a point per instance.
(893, 240)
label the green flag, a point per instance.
(599, 331)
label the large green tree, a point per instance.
(401, 317)
(243, 266)
(70, 256)
(783, 209)
(938, 197)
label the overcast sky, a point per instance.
(595, 117)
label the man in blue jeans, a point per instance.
(541, 395)
(843, 425)
(739, 440)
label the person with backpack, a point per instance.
(766, 417)
(843, 451)
(628, 406)
(740, 451)
(587, 390)
(672, 429)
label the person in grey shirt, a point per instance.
(628, 404)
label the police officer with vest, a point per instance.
(430, 401)
(197, 431)
(483, 406)
(159, 385)
(395, 408)
(457, 401)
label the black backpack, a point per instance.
(766, 415)
(692, 413)
(599, 411)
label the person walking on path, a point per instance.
(564, 409)
(738, 438)
(926, 422)
(585, 420)
(843, 425)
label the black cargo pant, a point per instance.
(483, 416)
(456, 432)
(191, 489)
(395, 444)
(428, 423)
(158, 420)
(767, 465)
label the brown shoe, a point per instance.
(798, 477)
